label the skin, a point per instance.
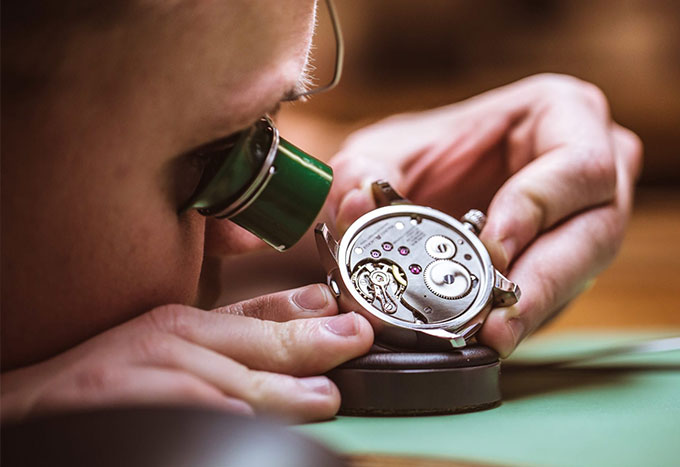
(99, 271)
(84, 256)
(544, 155)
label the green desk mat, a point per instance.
(622, 410)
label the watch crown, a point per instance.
(475, 220)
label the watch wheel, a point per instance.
(448, 279)
(381, 283)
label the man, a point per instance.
(102, 108)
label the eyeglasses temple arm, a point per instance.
(339, 55)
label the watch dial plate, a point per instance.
(415, 268)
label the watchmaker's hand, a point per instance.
(250, 357)
(544, 152)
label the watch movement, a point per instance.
(423, 279)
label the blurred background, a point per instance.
(403, 55)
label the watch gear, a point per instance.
(440, 247)
(447, 279)
(422, 278)
(380, 282)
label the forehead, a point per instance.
(164, 76)
(205, 67)
(248, 52)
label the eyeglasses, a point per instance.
(264, 183)
(339, 56)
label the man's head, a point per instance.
(101, 109)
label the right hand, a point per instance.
(258, 356)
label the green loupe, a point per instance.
(267, 186)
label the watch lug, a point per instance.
(456, 340)
(327, 246)
(385, 195)
(505, 292)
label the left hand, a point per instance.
(543, 153)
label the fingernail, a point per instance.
(318, 384)
(311, 298)
(240, 407)
(344, 325)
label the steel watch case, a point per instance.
(455, 319)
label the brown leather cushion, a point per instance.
(418, 383)
(382, 359)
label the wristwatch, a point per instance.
(423, 279)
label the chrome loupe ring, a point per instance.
(260, 181)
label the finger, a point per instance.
(567, 179)
(361, 162)
(297, 399)
(300, 347)
(629, 148)
(116, 386)
(305, 302)
(551, 272)
(558, 265)
(547, 191)
(355, 204)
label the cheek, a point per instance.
(224, 238)
(165, 254)
(77, 266)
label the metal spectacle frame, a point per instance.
(339, 57)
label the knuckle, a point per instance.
(257, 307)
(282, 352)
(266, 304)
(172, 319)
(235, 309)
(190, 388)
(636, 142)
(259, 386)
(553, 85)
(266, 390)
(98, 380)
(154, 347)
(598, 169)
(548, 79)
(632, 151)
(594, 96)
